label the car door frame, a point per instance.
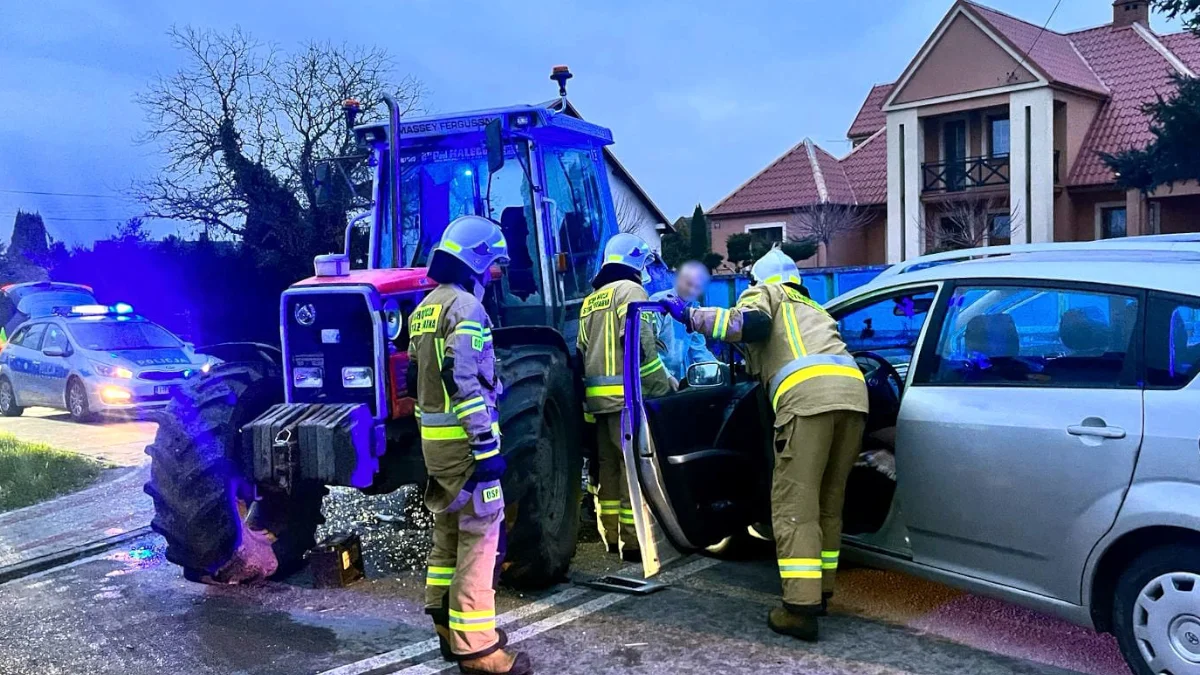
(55, 392)
(27, 384)
(892, 537)
(927, 357)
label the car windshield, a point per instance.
(442, 182)
(121, 335)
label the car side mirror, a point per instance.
(708, 375)
(494, 140)
(54, 351)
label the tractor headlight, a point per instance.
(308, 378)
(357, 378)
(108, 370)
(393, 318)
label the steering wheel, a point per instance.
(878, 370)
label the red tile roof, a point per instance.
(866, 169)
(1052, 52)
(786, 183)
(1186, 46)
(1135, 72)
(871, 117)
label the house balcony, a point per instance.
(965, 174)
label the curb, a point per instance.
(52, 560)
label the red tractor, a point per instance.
(245, 454)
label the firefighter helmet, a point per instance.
(629, 250)
(476, 241)
(775, 267)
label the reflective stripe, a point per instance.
(439, 576)
(589, 417)
(455, 433)
(439, 420)
(470, 407)
(655, 365)
(829, 560)
(610, 344)
(800, 568)
(484, 455)
(808, 367)
(602, 379)
(604, 385)
(721, 324)
(439, 345)
(611, 390)
(469, 326)
(779, 279)
(795, 340)
(472, 621)
(610, 507)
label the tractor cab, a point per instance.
(540, 174)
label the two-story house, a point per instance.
(992, 111)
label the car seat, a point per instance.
(1084, 332)
(993, 350)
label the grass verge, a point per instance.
(32, 472)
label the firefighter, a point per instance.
(452, 370)
(601, 345)
(819, 397)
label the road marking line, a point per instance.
(405, 653)
(437, 665)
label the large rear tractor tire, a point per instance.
(540, 422)
(204, 504)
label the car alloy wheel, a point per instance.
(7, 397)
(77, 400)
(1166, 623)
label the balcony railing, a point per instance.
(963, 174)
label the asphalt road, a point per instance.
(130, 611)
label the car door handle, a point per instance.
(1098, 432)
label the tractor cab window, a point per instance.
(579, 222)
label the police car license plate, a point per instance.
(162, 390)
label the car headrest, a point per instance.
(1084, 330)
(993, 335)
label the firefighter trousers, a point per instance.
(813, 458)
(462, 570)
(613, 509)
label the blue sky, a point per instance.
(700, 95)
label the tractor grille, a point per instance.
(342, 334)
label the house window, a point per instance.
(999, 229)
(1112, 222)
(999, 142)
(765, 235)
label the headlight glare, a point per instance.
(109, 370)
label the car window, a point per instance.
(119, 335)
(1035, 336)
(33, 337)
(1172, 341)
(55, 337)
(890, 326)
(19, 335)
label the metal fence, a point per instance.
(823, 283)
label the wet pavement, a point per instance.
(130, 611)
(114, 440)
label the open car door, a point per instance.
(698, 461)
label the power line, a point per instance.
(1029, 52)
(66, 194)
(115, 219)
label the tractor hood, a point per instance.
(384, 281)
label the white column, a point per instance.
(905, 213)
(1031, 123)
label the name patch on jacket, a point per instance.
(491, 494)
(424, 320)
(600, 300)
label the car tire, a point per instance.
(198, 477)
(77, 401)
(540, 425)
(8, 399)
(1156, 611)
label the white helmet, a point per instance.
(775, 267)
(629, 250)
(477, 241)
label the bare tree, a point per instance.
(970, 221)
(243, 124)
(631, 218)
(822, 223)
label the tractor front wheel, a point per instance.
(539, 422)
(204, 506)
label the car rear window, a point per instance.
(1172, 341)
(41, 304)
(119, 335)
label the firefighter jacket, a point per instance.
(793, 347)
(456, 389)
(602, 345)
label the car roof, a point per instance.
(1163, 264)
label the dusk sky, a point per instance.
(700, 95)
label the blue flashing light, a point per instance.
(467, 172)
(122, 308)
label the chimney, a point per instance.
(1129, 12)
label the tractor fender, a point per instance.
(246, 352)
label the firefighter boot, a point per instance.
(498, 662)
(795, 621)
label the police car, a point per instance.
(91, 359)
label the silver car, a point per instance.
(91, 360)
(1034, 435)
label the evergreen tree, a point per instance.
(676, 245)
(699, 244)
(29, 239)
(1174, 154)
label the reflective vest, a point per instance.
(601, 342)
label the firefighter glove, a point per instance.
(679, 310)
(489, 469)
